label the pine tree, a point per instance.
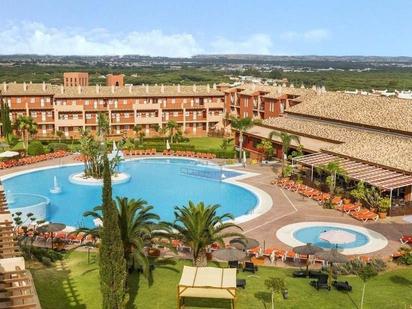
(112, 263)
(5, 118)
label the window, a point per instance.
(175, 114)
(173, 100)
(86, 102)
(184, 101)
(18, 100)
(32, 100)
(124, 102)
(75, 116)
(126, 115)
(88, 116)
(48, 100)
(34, 114)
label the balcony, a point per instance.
(68, 108)
(69, 122)
(123, 120)
(214, 118)
(149, 106)
(148, 120)
(218, 105)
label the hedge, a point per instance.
(35, 148)
(58, 146)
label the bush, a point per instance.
(406, 256)
(35, 148)
(58, 146)
(18, 147)
(46, 261)
(352, 267)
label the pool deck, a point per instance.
(288, 207)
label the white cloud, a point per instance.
(256, 44)
(310, 36)
(36, 38)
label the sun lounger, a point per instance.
(406, 239)
(249, 266)
(321, 283)
(365, 215)
(342, 286)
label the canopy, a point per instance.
(229, 254)
(244, 243)
(167, 145)
(337, 237)
(307, 249)
(207, 282)
(9, 154)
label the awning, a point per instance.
(376, 176)
(207, 282)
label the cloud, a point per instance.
(310, 36)
(255, 44)
(36, 38)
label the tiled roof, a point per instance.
(108, 91)
(373, 111)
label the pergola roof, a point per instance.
(374, 175)
(207, 282)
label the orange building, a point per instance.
(197, 109)
(71, 79)
(115, 80)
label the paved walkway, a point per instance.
(291, 207)
(288, 207)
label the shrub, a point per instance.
(35, 148)
(46, 261)
(352, 267)
(406, 256)
(18, 147)
(58, 146)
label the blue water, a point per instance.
(161, 182)
(311, 235)
(23, 200)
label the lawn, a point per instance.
(206, 142)
(74, 284)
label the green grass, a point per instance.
(206, 142)
(76, 285)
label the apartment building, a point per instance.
(263, 102)
(71, 79)
(197, 109)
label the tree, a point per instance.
(241, 125)
(365, 272)
(333, 168)
(267, 148)
(286, 139)
(172, 128)
(59, 135)
(225, 143)
(26, 126)
(103, 126)
(276, 286)
(199, 226)
(5, 118)
(112, 265)
(138, 227)
(138, 130)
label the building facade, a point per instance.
(196, 109)
(71, 79)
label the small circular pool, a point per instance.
(26, 203)
(312, 235)
(364, 240)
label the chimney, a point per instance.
(61, 89)
(207, 88)
(162, 88)
(314, 87)
(302, 86)
(214, 86)
(292, 86)
(130, 88)
(147, 88)
(97, 88)
(4, 86)
(44, 86)
(178, 88)
(323, 90)
(24, 86)
(194, 87)
(79, 89)
(283, 85)
(112, 88)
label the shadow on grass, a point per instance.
(401, 281)
(265, 298)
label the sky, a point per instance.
(182, 28)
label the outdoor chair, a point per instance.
(299, 274)
(234, 264)
(314, 274)
(342, 286)
(241, 283)
(321, 283)
(249, 266)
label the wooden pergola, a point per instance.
(383, 179)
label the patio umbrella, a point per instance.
(332, 256)
(51, 228)
(338, 237)
(9, 154)
(244, 243)
(307, 249)
(229, 254)
(167, 145)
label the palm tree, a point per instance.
(199, 226)
(59, 135)
(286, 139)
(241, 125)
(333, 168)
(138, 228)
(172, 127)
(26, 126)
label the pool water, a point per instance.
(163, 183)
(311, 235)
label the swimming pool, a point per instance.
(312, 235)
(163, 183)
(301, 233)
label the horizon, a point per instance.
(164, 29)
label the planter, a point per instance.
(382, 215)
(153, 252)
